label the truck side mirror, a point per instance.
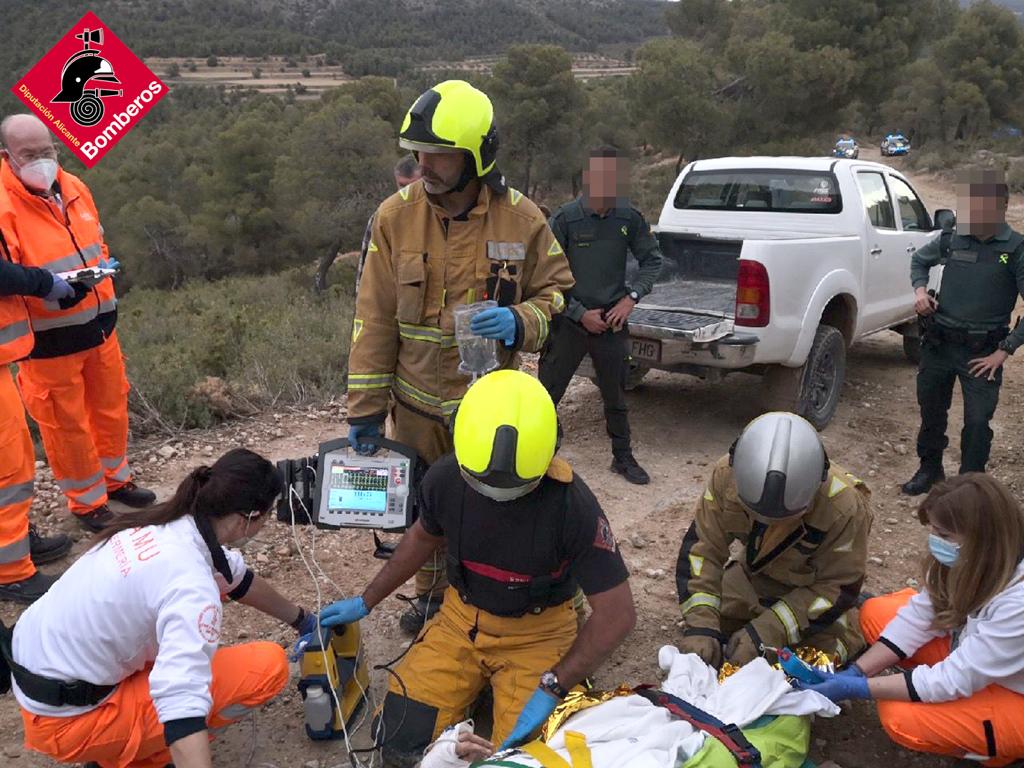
(945, 219)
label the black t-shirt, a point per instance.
(556, 529)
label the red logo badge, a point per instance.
(209, 623)
(604, 539)
(90, 89)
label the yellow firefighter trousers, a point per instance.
(432, 440)
(460, 651)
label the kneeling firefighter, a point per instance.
(521, 532)
(117, 664)
(804, 523)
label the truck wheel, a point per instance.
(813, 390)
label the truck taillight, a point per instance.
(753, 302)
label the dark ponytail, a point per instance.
(239, 481)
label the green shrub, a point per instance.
(1015, 175)
(211, 350)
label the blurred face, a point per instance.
(605, 181)
(441, 171)
(980, 202)
(405, 181)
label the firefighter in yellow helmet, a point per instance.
(522, 533)
(457, 236)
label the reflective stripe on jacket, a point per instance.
(420, 265)
(59, 241)
(814, 564)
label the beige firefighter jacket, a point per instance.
(420, 265)
(810, 570)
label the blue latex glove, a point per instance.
(537, 710)
(850, 684)
(495, 323)
(358, 431)
(347, 611)
(61, 290)
(110, 263)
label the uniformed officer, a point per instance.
(966, 328)
(522, 532)
(457, 236)
(596, 232)
(804, 523)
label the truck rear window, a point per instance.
(760, 190)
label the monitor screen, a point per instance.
(361, 489)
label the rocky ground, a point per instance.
(681, 426)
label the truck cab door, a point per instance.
(916, 225)
(886, 261)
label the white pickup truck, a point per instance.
(774, 266)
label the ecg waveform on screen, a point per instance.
(359, 479)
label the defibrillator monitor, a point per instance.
(356, 491)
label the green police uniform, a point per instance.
(597, 248)
(980, 285)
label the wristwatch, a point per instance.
(634, 296)
(549, 682)
(1003, 345)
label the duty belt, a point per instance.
(975, 340)
(47, 690)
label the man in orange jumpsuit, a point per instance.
(74, 382)
(21, 547)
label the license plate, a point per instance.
(646, 349)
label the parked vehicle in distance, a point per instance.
(895, 144)
(775, 266)
(847, 148)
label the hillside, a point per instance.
(1017, 6)
(366, 36)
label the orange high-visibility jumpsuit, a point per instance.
(124, 731)
(17, 455)
(74, 384)
(989, 722)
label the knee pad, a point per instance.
(405, 728)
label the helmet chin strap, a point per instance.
(468, 173)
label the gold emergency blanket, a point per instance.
(578, 700)
(819, 660)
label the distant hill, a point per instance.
(1017, 6)
(365, 31)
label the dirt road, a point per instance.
(681, 425)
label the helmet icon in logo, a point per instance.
(84, 68)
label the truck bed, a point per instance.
(695, 297)
(702, 296)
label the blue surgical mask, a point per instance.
(946, 552)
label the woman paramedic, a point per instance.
(960, 640)
(118, 663)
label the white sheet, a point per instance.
(631, 731)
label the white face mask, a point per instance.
(241, 542)
(38, 175)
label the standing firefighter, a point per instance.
(804, 524)
(457, 236)
(522, 532)
(597, 231)
(966, 330)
